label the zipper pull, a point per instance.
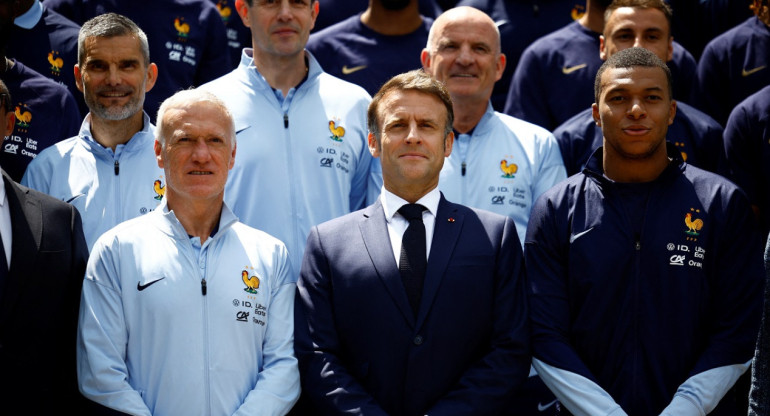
(286, 120)
(463, 169)
(117, 167)
(203, 287)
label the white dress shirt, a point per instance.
(397, 224)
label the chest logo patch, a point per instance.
(159, 189)
(336, 130)
(23, 117)
(56, 62)
(224, 10)
(252, 283)
(509, 169)
(182, 28)
(694, 225)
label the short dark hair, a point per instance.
(629, 58)
(415, 80)
(110, 25)
(5, 98)
(641, 4)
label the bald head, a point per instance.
(463, 16)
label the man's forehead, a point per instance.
(400, 104)
(635, 77)
(628, 17)
(104, 44)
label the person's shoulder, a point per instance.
(255, 237)
(48, 203)
(59, 22)
(521, 127)
(757, 104)
(734, 36)
(697, 118)
(576, 123)
(228, 84)
(332, 87)
(339, 29)
(59, 152)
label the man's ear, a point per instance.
(158, 153)
(374, 147)
(243, 11)
(595, 114)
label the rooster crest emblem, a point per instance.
(337, 131)
(159, 188)
(693, 225)
(252, 283)
(182, 29)
(577, 12)
(56, 62)
(224, 11)
(23, 117)
(508, 169)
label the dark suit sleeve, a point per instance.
(325, 380)
(485, 386)
(76, 273)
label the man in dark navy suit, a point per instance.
(42, 262)
(413, 305)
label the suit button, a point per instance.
(418, 340)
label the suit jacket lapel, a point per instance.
(446, 232)
(26, 231)
(374, 231)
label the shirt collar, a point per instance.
(29, 19)
(392, 202)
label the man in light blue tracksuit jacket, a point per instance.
(108, 171)
(302, 133)
(187, 311)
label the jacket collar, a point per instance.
(595, 167)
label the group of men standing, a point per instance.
(643, 281)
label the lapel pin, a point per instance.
(451, 219)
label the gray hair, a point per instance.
(110, 25)
(185, 98)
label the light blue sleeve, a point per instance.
(551, 170)
(103, 337)
(362, 178)
(277, 387)
(374, 187)
(701, 393)
(38, 174)
(580, 395)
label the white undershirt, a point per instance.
(397, 224)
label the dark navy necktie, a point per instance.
(413, 260)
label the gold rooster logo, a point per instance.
(23, 118)
(56, 62)
(508, 169)
(337, 131)
(578, 11)
(224, 11)
(694, 226)
(160, 189)
(252, 283)
(182, 29)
